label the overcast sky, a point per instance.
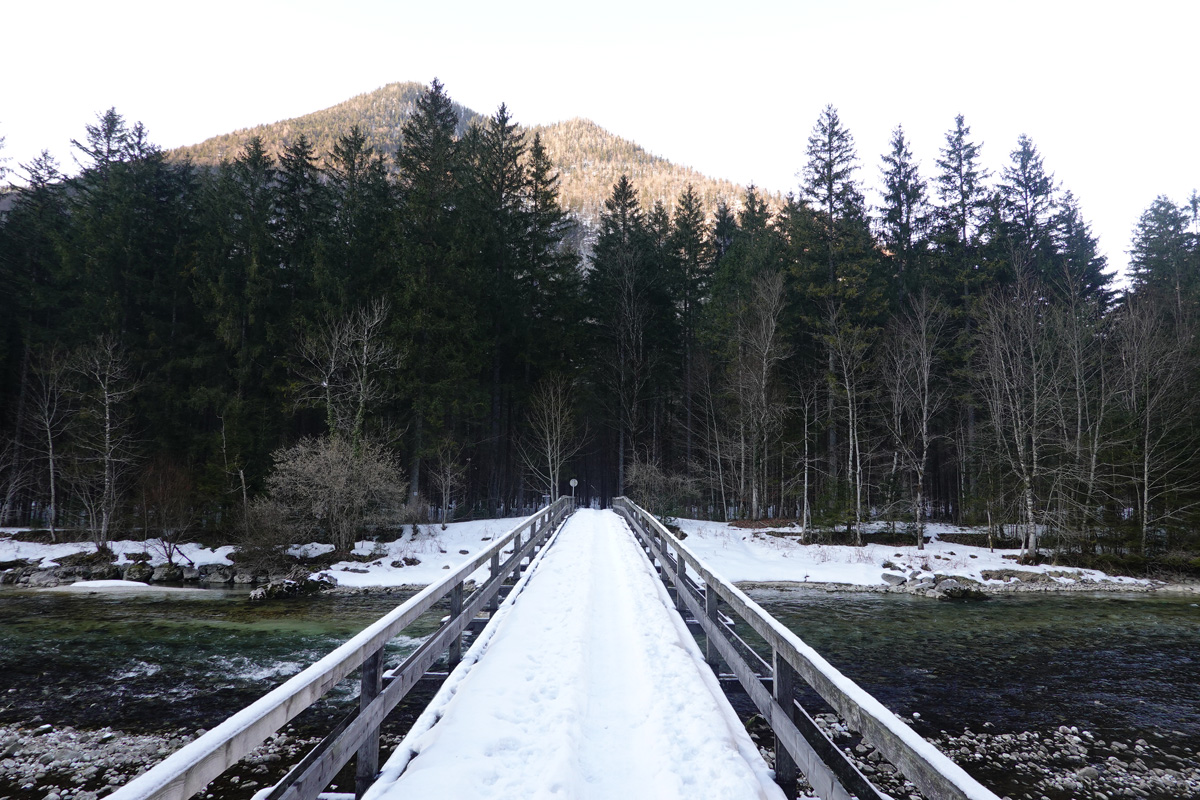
(1107, 91)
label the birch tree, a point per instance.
(50, 415)
(1017, 375)
(911, 359)
(103, 451)
(848, 346)
(448, 475)
(1155, 372)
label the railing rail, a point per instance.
(800, 740)
(192, 767)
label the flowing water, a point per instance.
(1122, 666)
(159, 661)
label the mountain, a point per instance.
(589, 158)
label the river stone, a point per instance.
(45, 577)
(211, 573)
(140, 571)
(104, 572)
(191, 574)
(167, 573)
(243, 576)
(893, 580)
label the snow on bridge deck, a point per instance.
(592, 688)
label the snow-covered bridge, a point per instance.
(588, 685)
(585, 682)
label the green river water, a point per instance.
(1124, 666)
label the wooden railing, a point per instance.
(192, 767)
(800, 744)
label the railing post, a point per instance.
(711, 601)
(516, 573)
(494, 604)
(784, 682)
(456, 606)
(367, 760)
(680, 575)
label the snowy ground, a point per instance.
(739, 554)
(762, 556)
(592, 688)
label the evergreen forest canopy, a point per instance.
(341, 339)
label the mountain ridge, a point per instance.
(589, 158)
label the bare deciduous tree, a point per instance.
(910, 359)
(755, 386)
(1153, 348)
(849, 346)
(448, 475)
(1018, 376)
(552, 439)
(341, 364)
(103, 447)
(50, 416)
(169, 509)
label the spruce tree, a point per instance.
(1028, 206)
(960, 185)
(432, 281)
(830, 184)
(1161, 256)
(905, 211)
(1081, 269)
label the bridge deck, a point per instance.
(592, 688)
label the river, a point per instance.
(1122, 666)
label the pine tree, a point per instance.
(690, 246)
(1161, 254)
(1081, 270)
(358, 246)
(905, 211)
(302, 216)
(619, 291)
(829, 182)
(1027, 194)
(960, 185)
(432, 281)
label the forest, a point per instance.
(336, 343)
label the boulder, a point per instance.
(215, 573)
(140, 571)
(167, 573)
(43, 577)
(893, 579)
(312, 584)
(105, 572)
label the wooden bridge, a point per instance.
(582, 680)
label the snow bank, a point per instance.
(762, 556)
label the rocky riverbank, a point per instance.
(1063, 764)
(43, 762)
(939, 586)
(35, 576)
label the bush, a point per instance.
(327, 489)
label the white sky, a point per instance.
(1107, 91)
